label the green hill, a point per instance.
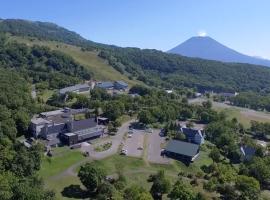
(88, 58)
(155, 68)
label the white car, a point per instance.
(129, 136)
(149, 130)
(123, 152)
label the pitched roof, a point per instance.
(105, 85)
(84, 124)
(190, 132)
(122, 83)
(183, 148)
(74, 88)
(248, 151)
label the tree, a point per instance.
(91, 176)
(248, 186)
(215, 154)
(145, 117)
(181, 191)
(207, 104)
(161, 185)
(107, 190)
(136, 193)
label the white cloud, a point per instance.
(202, 33)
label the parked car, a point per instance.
(140, 148)
(149, 130)
(123, 152)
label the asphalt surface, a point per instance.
(116, 141)
(134, 143)
(154, 148)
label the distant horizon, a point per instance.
(155, 24)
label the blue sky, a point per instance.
(243, 25)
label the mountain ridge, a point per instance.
(152, 67)
(208, 48)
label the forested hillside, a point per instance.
(50, 69)
(155, 67)
(158, 68)
(42, 30)
(18, 165)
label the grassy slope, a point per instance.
(100, 68)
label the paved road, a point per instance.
(154, 148)
(116, 141)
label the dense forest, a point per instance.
(18, 165)
(154, 67)
(49, 68)
(158, 68)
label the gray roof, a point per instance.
(74, 88)
(122, 83)
(248, 151)
(84, 124)
(58, 128)
(105, 85)
(183, 148)
(190, 132)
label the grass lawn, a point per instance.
(62, 159)
(136, 170)
(58, 185)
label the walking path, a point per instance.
(116, 141)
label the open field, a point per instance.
(243, 115)
(90, 59)
(62, 159)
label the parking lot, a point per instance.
(134, 143)
(155, 142)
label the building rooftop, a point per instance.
(39, 121)
(122, 83)
(182, 148)
(84, 124)
(51, 113)
(190, 132)
(69, 134)
(105, 85)
(74, 88)
(248, 151)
